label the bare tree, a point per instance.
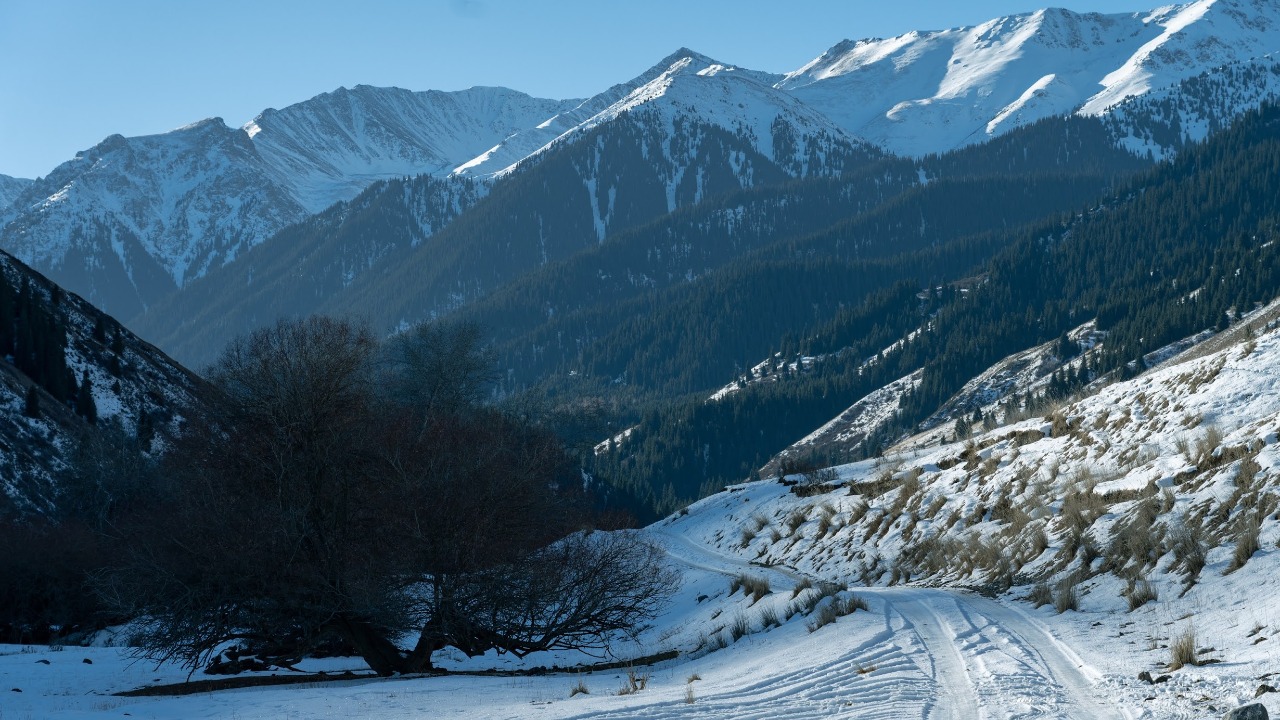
(318, 505)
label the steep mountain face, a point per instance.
(926, 92)
(10, 189)
(307, 265)
(74, 384)
(660, 149)
(1162, 121)
(332, 146)
(689, 88)
(131, 219)
(1148, 277)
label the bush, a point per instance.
(756, 587)
(826, 615)
(360, 458)
(769, 618)
(1066, 595)
(1188, 549)
(797, 518)
(1040, 595)
(634, 683)
(851, 603)
(816, 482)
(1182, 651)
(837, 607)
(804, 584)
(1247, 541)
(1141, 593)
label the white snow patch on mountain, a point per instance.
(332, 146)
(685, 85)
(926, 92)
(10, 188)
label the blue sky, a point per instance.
(74, 71)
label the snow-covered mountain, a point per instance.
(686, 88)
(140, 396)
(131, 219)
(306, 264)
(10, 188)
(925, 92)
(1161, 121)
(1113, 559)
(332, 146)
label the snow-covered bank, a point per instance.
(1150, 508)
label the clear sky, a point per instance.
(75, 71)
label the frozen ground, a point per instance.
(1100, 498)
(915, 653)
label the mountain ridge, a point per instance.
(923, 92)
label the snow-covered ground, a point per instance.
(915, 653)
(1132, 505)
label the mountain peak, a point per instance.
(683, 57)
(931, 91)
(685, 53)
(330, 147)
(213, 123)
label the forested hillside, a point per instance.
(403, 256)
(1182, 248)
(76, 387)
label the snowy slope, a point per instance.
(529, 140)
(130, 219)
(1106, 503)
(931, 91)
(1162, 120)
(1097, 505)
(332, 146)
(687, 87)
(10, 188)
(129, 378)
(305, 264)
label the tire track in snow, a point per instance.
(1014, 667)
(942, 655)
(954, 697)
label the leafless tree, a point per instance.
(345, 491)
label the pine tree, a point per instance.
(32, 406)
(100, 329)
(86, 407)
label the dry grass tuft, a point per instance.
(1066, 594)
(1141, 593)
(634, 682)
(756, 587)
(1247, 541)
(1182, 651)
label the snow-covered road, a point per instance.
(990, 660)
(924, 653)
(942, 654)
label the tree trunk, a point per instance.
(419, 659)
(382, 655)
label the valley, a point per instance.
(938, 377)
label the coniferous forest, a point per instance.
(1176, 249)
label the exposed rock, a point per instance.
(1248, 712)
